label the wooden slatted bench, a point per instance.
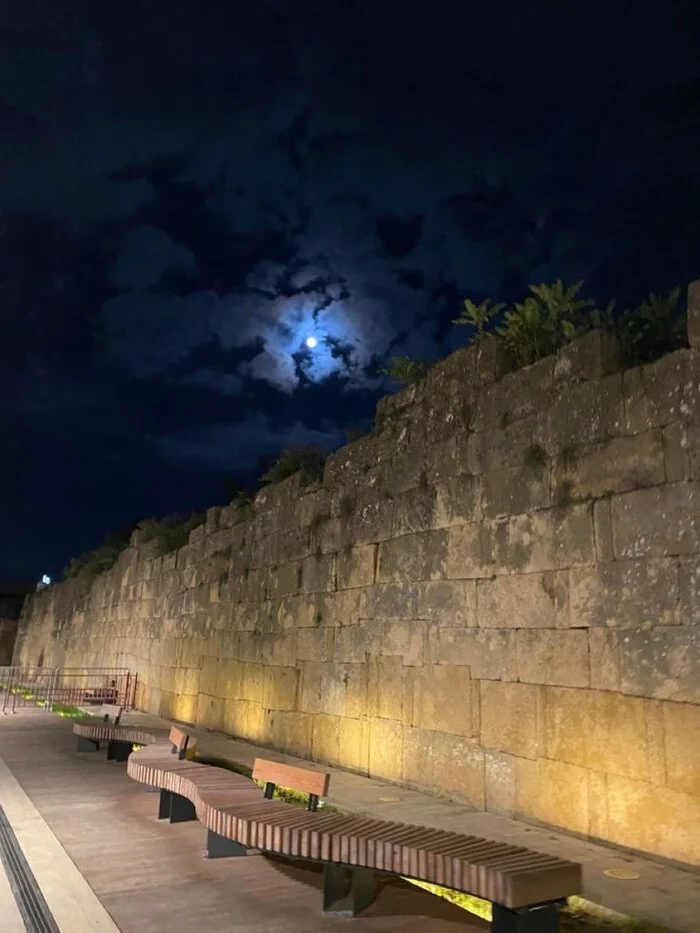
(120, 739)
(526, 887)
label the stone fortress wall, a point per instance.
(495, 597)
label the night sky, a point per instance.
(188, 190)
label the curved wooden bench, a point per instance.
(526, 887)
(120, 739)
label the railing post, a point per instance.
(6, 691)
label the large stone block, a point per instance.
(591, 356)
(385, 694)
(186, 681)
(456, 501)
(315, 644)
(657, 522)
(587, 413)
(311, 687)
(419, 765)
(450, 602)
(399, 637)
(404, 469)
(519, 394)
(604, 650)
(388, 601)
(324, 538)
(454, 375)
(414, 510)
(326, 739)
(446, 458)
(284, 580)
(492, 362)
(551, 656)
(661, 663)
(654, 393)
(602, 529)
(689, 582)
(514, 490)
(386, 749)
(354, 745)
(511, 718)
(280, 688)
(489, 653)
(499, 775)
(356, 566)
(477, 550)
(552, 539)
(617, 465)
(553, 793)
(498, 448)
(681, 728)
(459, 768)
(442, 698)
(290, 732)
(412, 558)
(210, 712)
(370, 523)
(625, 593)
(694, 314)
(603, 731)
(532, 600)
(653, 819)
(318, 574)
(185, 708)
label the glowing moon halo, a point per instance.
(311, 342)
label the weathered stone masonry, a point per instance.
(495, 597)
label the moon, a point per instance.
(311, 342)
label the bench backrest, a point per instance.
(179, 741)
(275, 774)
(110, 711)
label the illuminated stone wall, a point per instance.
(495, 597)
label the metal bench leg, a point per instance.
(347, 891)
(88, 745)
(119, 751)
(175, 808)
(544, 918)
(222, 847)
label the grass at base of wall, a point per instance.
(61, 709)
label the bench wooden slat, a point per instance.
(302, 779)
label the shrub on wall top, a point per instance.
(92, 563)
(172, 532)
(309, 461)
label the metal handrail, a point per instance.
(50, 685)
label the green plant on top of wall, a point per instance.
(308, 461)
(553, 315)
(405, 371)
(172, 532)
(656, 327)
(92, 563)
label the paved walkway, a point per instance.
(662, 894)
(104, 862)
